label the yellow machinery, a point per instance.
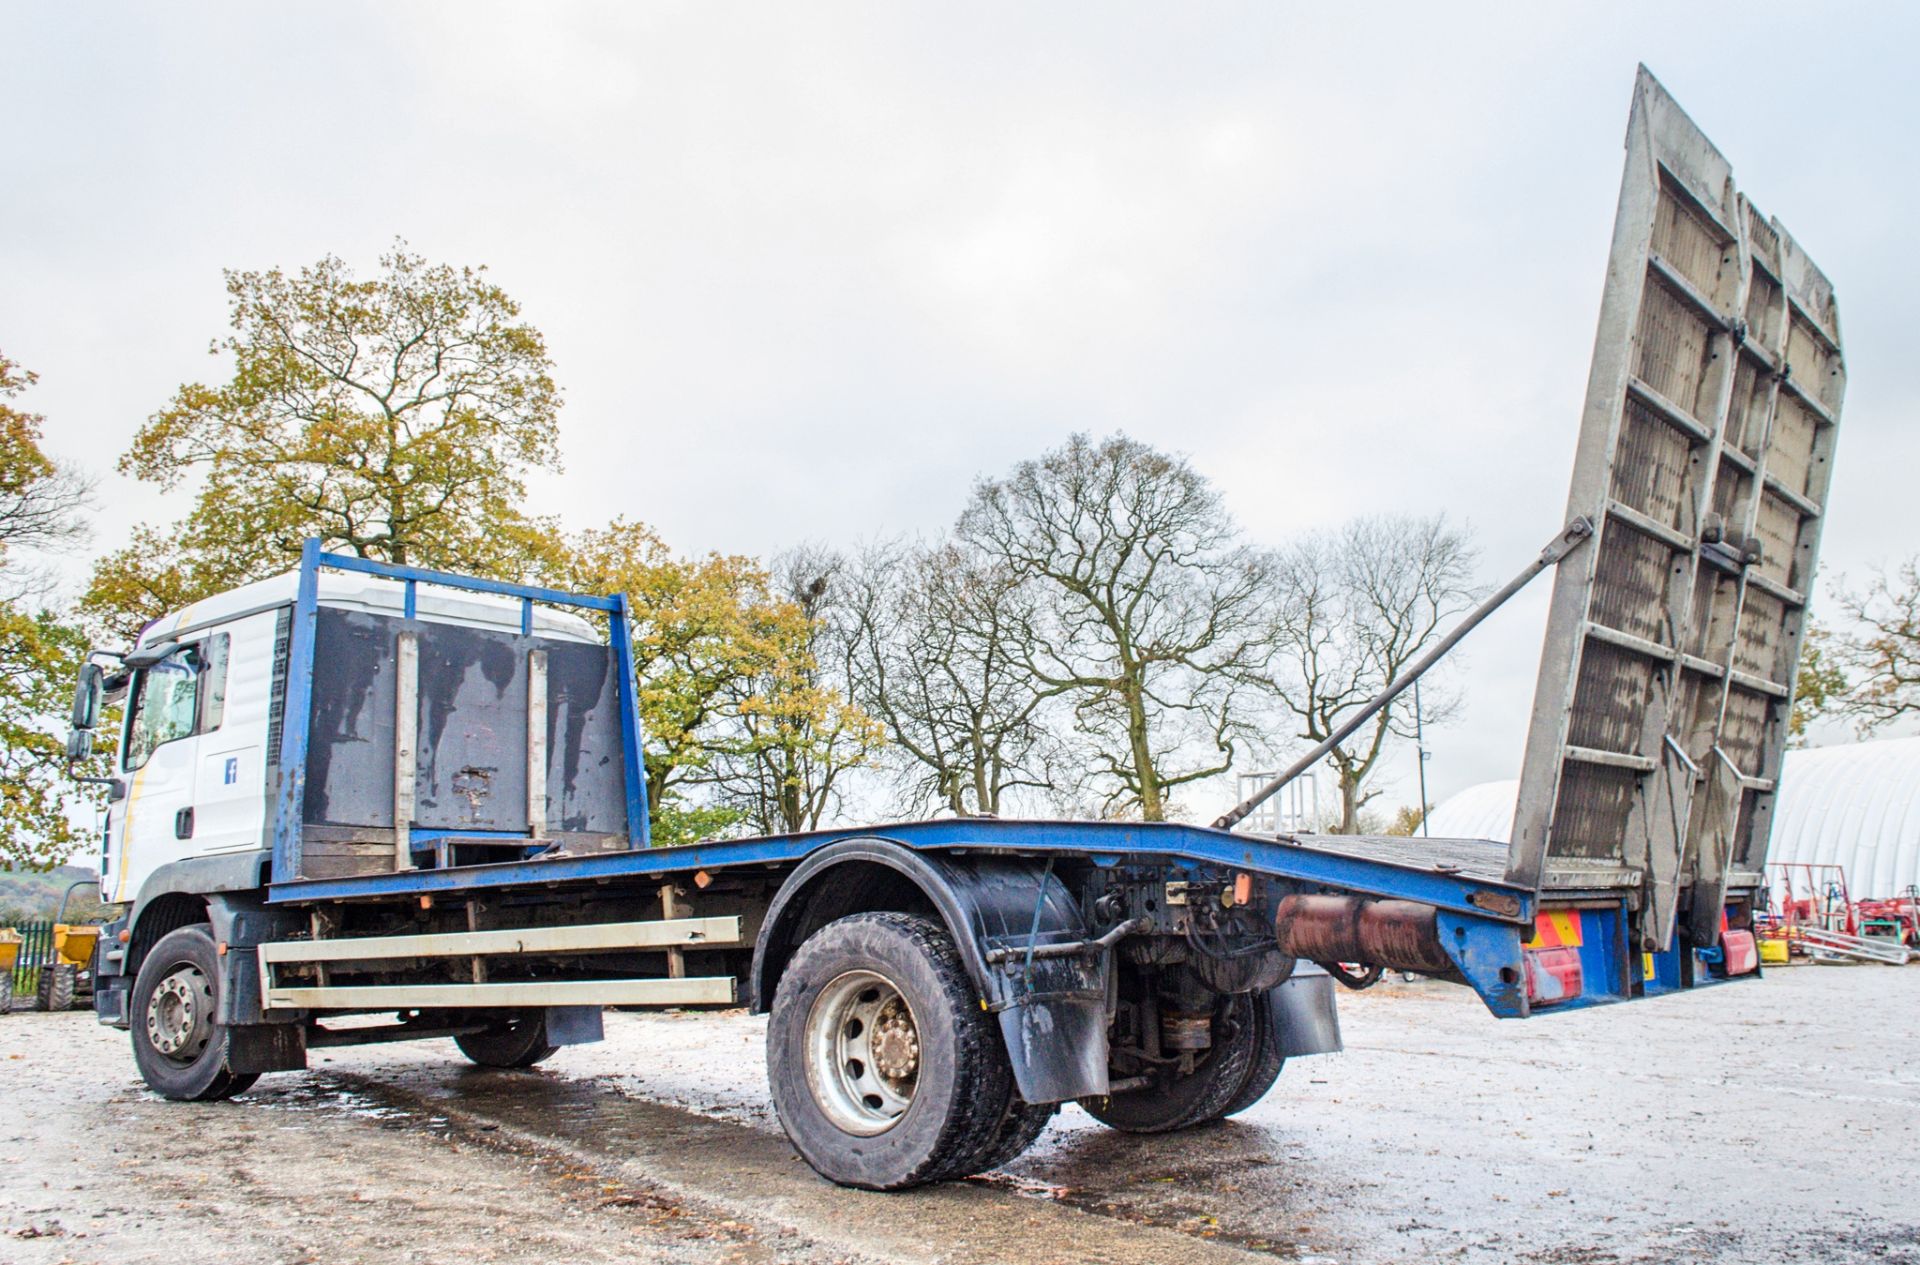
(67, 978)
(74, 945)
(9, 956)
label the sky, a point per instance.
(807, 271)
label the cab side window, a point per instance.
(182, 695)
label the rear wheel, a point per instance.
(1019, 1129)
(885, 1069)
(518, 1042)
(178, 1043)
(1179, 1101)
(1267, 1059)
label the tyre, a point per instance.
(57, 987)
(519, 1042)
(1180, 1102)
(6, 990)
(885, 1069)
(1267, 1059)
(1019, 1129)
(178, 1044)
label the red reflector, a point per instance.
(1553, 975)
(1742, 954)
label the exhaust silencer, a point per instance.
(1399, 935)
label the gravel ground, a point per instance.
(1772, 1121)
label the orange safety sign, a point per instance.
(1556, 929)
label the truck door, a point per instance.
(158, 759)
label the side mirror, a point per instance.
(79, 744)
(86, 699)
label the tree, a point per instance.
(795, 735)
(1355, 607)
(1147, 613)
(395, 418)
(705, 630)
(41, 509)
(1821, 687)
(930, 653)
(1884, 658)
(42, 504)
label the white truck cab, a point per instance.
(194, 767)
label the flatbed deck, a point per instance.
(1459, 875)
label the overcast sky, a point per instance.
(807, 270)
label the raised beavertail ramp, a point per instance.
(1705, 452)
(1673, 638)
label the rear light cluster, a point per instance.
(1553, 958)
(1553, 975)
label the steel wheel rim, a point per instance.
(180, 1015)
(863, 1053)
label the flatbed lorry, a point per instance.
(372, 790)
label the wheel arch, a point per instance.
(859, 876)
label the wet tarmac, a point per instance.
(1771, 1121)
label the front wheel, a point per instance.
(178, 1042)
(886, 1070)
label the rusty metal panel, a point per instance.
(1705, 452)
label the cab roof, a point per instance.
(374, 595)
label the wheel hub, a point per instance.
(896, 1046)
(863, 1053)
(180, 1014)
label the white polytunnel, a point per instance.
(1856, 806)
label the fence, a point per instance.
(36, 952)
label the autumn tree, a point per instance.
(795, 734)
(42, 505)
(1820, 688)
(705, 631)
(1353, 608)
(1147, 612)
(932, 639)
(395, 417)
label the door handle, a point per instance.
(183, 824)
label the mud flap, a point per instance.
(574, 1025)
(1055, 1025)
(1305, 1014)
(266, 1047)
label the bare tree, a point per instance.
(1147, 608)
(1354, 607)
(1875, 667)
(932, 654)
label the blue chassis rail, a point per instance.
(1100, 842)
(1485, 945)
